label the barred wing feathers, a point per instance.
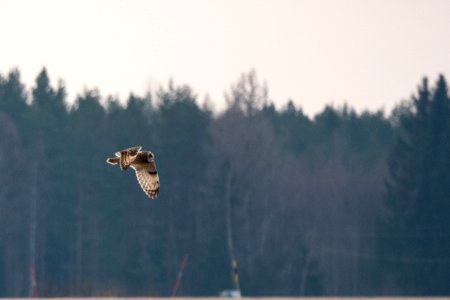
(149, 181)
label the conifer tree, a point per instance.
(414, 237)
(12, 95)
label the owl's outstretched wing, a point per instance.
(127, 156)
(132, 150)
(148, 180)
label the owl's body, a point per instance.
(143, 163)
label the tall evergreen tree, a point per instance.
(45, 135)
(182, 129)
(12, 95)
(414, 238)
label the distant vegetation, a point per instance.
(344, 203)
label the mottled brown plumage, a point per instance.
(143, 163)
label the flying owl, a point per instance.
(143, 163)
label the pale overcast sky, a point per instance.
(371, 54)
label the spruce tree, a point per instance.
(12, 95)
(414, 238)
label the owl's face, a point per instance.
(150, 157)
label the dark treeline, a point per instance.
(339, 204)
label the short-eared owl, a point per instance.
(143, 163)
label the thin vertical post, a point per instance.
(33, 288)
(235, 275)
(179, 276)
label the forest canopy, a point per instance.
(343, 203)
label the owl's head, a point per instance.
(150, 156)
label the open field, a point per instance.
(249, 298)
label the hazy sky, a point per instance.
(371, 54)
